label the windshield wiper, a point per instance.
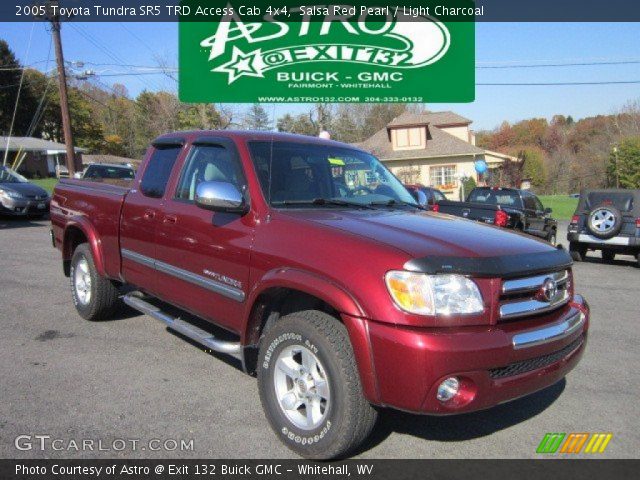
(392, 202)
(325, 201)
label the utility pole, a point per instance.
(52, 16)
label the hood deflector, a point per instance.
(506, 266)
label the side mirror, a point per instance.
(220, 197)
(421, 198)
(548, 211)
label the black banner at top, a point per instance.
(318, 10)
(236, 469)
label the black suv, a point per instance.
(606, 220)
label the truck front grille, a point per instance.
(527, 296)
(534, 363)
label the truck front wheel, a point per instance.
(94, 297)
(310, 387)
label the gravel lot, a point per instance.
(132, 379)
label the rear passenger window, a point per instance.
(156, 175)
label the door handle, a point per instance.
(149, 215)
(170, 219)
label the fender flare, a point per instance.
(307, 282)
(90, 233)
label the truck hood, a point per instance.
(421, 234)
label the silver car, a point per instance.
(18, 197)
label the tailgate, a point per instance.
(473, 211)
(94, 209)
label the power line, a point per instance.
(563, 64)
(107, 51)
(15, 108)
(555, 84)
(39, 113)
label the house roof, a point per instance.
(439, 144)
(437, 119)
(32, 144)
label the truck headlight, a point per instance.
(424, 294)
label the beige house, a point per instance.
(432, 148)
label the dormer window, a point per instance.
(408, 138)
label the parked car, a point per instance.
(108, 171)
(507, 208)
(606, 220)
(19, 197)
(429, 199)
(336, 288)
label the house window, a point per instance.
(443, 177)
(408, 137)
(402, 138)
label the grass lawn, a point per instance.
(46, 183)
(563, 205)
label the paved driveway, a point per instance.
(130, 378)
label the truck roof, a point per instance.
(257, 135)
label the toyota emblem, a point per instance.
(549, 289)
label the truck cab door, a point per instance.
(534, 218)
(141, 214)
(203, 257)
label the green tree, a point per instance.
(533, 165)
(199, 116)
(345, 128)
(624, 164)
(257, 118)
(300, 124)
(468, 185)
(10, 74)
(87, 128)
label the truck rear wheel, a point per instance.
(310, 386)
(94, 297)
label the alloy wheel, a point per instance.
(302, 387)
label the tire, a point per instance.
(608, 256)
(95, 297)
(347, 417)
(577, 251)
(604, 221)
(638, 260)
(551, 238)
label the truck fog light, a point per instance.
(448, 389)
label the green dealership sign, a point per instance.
(335, 53)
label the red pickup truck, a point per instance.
(330, 282)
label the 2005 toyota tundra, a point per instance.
(337, 290)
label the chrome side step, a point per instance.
(187, 329)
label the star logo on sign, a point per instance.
(241, 65)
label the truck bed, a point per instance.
(474, 211)
(76, 200)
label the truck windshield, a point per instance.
(301, 174)
(9, 176)
(489, 196)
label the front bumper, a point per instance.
(494, 364)
(23, 207)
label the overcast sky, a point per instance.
(497, 44)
